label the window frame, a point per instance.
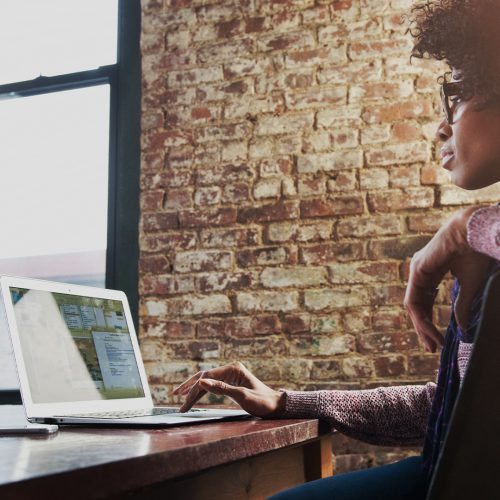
(124, 79)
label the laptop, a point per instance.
(78, 358)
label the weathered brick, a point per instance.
(267, 301)
(380, 91)
(329, 323)
(287, 231)
(328, 162)
(218, 282)
(267, 188)
(162, 221)
(211, 328)
(363, 272)
(388, 113)
(339, 205)
(331, 252)
(266, 324)
(268, 213)
(361, 227)
(398, 154)
(225, 51)
(166, 285)
(210, 260)
(284, 124)
(314, 57)
(188, 77)
(334, 298)
(193, 305)
(342, 181)
(390, 200)
(297, 323)
(207, 218)
(404, 177)
(396, 248)
(315, 98)
(423, 365)
(314, 345)
(360, 71)
(266, 347)
(154, 264)
(391, 365)
(372, 50)
(284, 41)
(428, 222)
(264, 256)
(169, 242)
(374, 178)
(453, 195)
(396, 341)
(227, 238)
(293, 277)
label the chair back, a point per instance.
(469, 462)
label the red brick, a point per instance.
(221, 174)
(169, 242)
(227, 238)
(218, 282)
(393, 365)
(265, 348)
(207, 217)
(331, 252)
(167, 285)
(392, 200)
(423, 365)
(162, 221)
(339, 205)
(176, 199)
(284, 41)
(264, 256)
(268, 213)
(389, 113)
(211, 328)
(153, 264)
(152, 201)
(396, 248)
(239, 327)
(396, 341)
(266, 325)
(297, 323)
(228, 29)
(362, 227)
(196, 261)
(255, 24)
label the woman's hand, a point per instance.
(447, 251)
(236, 382)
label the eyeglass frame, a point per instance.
(450, 89)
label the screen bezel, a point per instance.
(37, 410)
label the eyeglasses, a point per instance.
(450, 90)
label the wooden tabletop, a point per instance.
(97, 462)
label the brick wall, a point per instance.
(288, 173)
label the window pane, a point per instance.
(53, 37)
(54, 190)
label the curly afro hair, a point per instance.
(466, 35)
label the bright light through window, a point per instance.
(54, 161)
(49, 37)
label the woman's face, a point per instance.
(471, 145)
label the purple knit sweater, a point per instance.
(393, 415)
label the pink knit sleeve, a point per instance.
(483, 231)
(385, 416)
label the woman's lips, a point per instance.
(446, 157)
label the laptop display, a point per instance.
(76, 348)
(78, 358)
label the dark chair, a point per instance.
(469, 463)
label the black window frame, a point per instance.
(124, 79)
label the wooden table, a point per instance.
(226, 460)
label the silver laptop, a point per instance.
(78, 359)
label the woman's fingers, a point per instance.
(185, 387)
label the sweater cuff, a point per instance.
(301, 404)
(483, 231)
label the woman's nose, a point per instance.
(443, 131)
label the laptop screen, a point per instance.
(76, 348)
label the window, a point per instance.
(69, 195)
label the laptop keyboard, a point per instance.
(136, 413)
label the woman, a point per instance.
(464, 34)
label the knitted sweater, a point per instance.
(393, 415)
